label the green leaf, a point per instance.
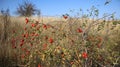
(107, 2)
(115, 23)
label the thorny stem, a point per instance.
(78, 57)
(102, 18)
(87, 30)
(96, 22)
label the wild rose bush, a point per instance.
(67, 44)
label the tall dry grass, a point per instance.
(9, 56)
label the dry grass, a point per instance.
(65, 30)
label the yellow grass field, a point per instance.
(59, 42)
